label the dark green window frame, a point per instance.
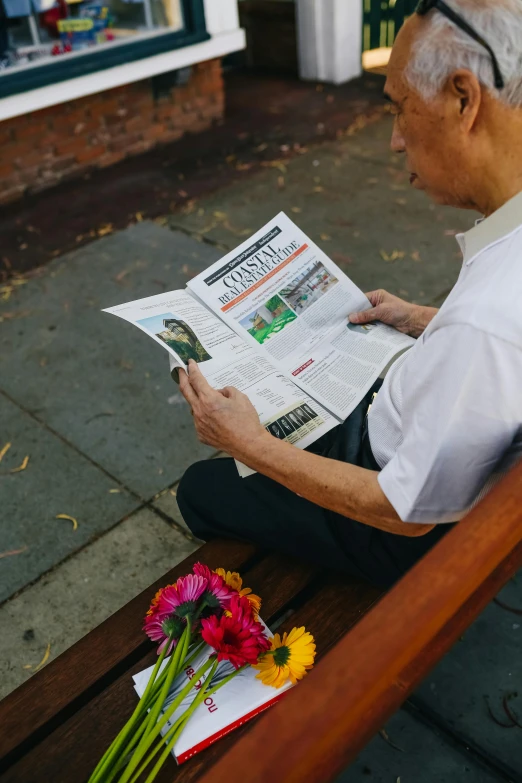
(61, 69)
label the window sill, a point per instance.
(37, 87)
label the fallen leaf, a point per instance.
(401, 201)
(183, 193)
(43, 361)
(173, 492)
(372, 181)
(275, 164)
(42, 662)
(450, 232)
(390, 742)
(13, 552)
(296, 210)
(114, 491)
(106, 229)
(125, 365)
(261, 148)
(415, 256)
(70, 519)
(220, 215)
(325, 237)
(230, 158)
(281, 182)
(244, 166)
(318, 189)
(23, 247)
(394, 256)
(139, 216)
(4, 451)
(21, 467)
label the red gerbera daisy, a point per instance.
(237, 638)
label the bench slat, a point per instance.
(276, 577)
(68, 677)
(371, 671)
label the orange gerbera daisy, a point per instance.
(288, 659)
(233, 580)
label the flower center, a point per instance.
(281, 656)
(230, 638)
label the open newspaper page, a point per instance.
(282, 293)
(187, 330)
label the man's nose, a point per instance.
(397, 141)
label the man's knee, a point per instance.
(190, 494)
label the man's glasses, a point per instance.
(425, 6)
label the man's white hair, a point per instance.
(443, 48)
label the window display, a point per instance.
(37, 31)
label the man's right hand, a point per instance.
(405, 317)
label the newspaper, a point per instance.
(291, 302)
(271, 319)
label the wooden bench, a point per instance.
(55, 727)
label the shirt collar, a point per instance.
(488, 231)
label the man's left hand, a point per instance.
(224, 419)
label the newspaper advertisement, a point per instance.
(187, 330)
(288, 299)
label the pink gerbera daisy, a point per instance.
(182, 598)
(217, 593)
(160, 627)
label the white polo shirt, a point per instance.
(447, 423)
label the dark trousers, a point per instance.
(217, 503)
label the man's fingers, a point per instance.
(365, 316)
(197, 380)
(186, 388)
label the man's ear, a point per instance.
(465, 89)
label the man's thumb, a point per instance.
(365, 316)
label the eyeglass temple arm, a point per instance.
(460, 22)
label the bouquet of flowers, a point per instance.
(205, 618)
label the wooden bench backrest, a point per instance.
(323, 723)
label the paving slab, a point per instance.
(57, 480)
(82, 592)
(95, 379)
(484, 666)
(353, 198)
(424, 757)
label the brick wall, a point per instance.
(40, 149)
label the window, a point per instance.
(46, 41)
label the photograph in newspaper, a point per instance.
(178, 335)
(308, 286)
(312, 340)
(268, 319)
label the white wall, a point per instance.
(221, 16)
(329, 39)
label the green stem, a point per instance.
(110, 756)
(195, 704)
(154, 729)
(159, 745)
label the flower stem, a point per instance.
(154, 729)
(110, 756)
(195, 704)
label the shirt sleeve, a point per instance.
(461, 413)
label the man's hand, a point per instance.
(407, 318)
(224, 419)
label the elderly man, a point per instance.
(447, 421)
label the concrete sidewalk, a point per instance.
(89, 401)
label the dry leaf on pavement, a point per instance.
(14, 552)
(69, 518)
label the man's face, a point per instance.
(429, 134)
